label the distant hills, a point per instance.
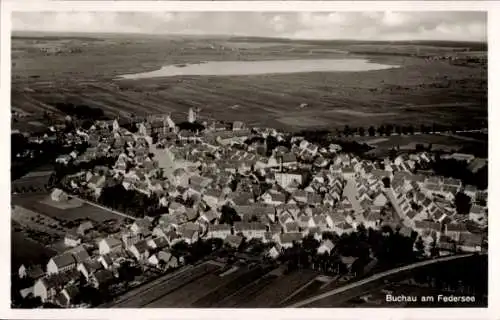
(34, 35)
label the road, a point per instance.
(104, 208)
(373, 278)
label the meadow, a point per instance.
(419, 91)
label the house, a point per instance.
(102, 278)
(273, 198)
(87, 268)
(58, 195)
(290, 227)
(478, 214)
(342, 228)
(84, 227)
(190, 236)
(326, 247)
(72, 240)
(233, 241)
(61, 263)
(141, 227)
(220, 231)
(140, 250)
(109, 244)
(454, 230)
(470, 242)
(32, 272)
(380, 200)
(46, 288)
(284, 179)
(273, 252)
(208, 216)
(79, 253)
(157, 243)
(304, 222)
(250, 230)
(106, 261)
(425, 227)
(67, 296)
(286, 240)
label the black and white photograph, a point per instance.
(249, 159)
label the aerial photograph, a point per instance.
(249, 159)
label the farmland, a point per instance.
(24, 250)
(41, 203)
(419, 91)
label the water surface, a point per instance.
(237, 68)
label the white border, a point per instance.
(493, 312)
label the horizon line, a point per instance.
(246, 36)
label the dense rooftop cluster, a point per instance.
(226, 182)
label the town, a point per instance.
(222, 195)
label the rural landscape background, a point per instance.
(430, 98)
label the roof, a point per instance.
(103, 276)
(290, 237)
(219, 227)
(456, 227)
(246, 226)
(470, 239)
(234, 240)
(112, 242)
(64, 260)
(329, 244)
(160, 242)
(141, 246)
(427, 225)
(80, 253)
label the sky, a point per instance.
(437, 25)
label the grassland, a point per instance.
(39, 204)
(26, 251)
(420, 91)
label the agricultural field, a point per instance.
(25, 250)
(476, 143)
(41, 203)
(419, 91)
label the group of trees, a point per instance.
(388, 129)
(459, 170)
(81, 111)
(388, 246)
(129, 201)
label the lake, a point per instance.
(237, 68)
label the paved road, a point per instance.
(375, 277)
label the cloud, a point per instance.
(438, 25)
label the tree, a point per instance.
(381, 130)
(228, 215)
(388, 129)
(387, 182)
(371, 131)
(419, 246)
(462, 203)
(398, 130)
(347, 130)
(361, 131)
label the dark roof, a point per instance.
(64, 260)
(103, 276)
(290, 237)
(141, 246)
(244, 226)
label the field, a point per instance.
(27, 251)
(38, 203)
(420, 91)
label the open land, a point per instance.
(41, 80)
(41, 203)
(25, 250)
